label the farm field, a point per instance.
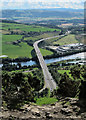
(22, 49)
(45, 35)
(10, 38)
(70, 39)
(26, 28)
(15, 51)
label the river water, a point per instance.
(52, 60)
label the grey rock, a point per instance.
(48, 115)
(65, 106)
(66, 111)
(55, 112)
(76, 109)
(37, 114)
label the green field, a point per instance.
(10, 38)
(44, 35)
(45, 52)
(26, 28)
(14, 51)
(70, 39)
(21, 50)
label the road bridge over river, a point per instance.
(49, 81)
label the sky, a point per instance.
(37, 4)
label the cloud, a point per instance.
(47, 1)
(22, 4)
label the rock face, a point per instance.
(65, 108)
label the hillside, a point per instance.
(42, 13)
(59, 110)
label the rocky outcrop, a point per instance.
(65, 108)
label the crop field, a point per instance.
(26, 28)
(70, 39)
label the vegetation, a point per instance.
(19, 43)
(31, 15)
(18, 88)
(70, 39)
(10, 38)
(27, 28)
(71, 80)
(65, 71)
(45, 100)
(16, 51)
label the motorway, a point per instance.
(49, 82)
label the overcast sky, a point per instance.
(36, 4)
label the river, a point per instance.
(82, 56)
(52, 60)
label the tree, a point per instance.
(75, 72)
(82, 94)
(34, 82)
(13, 96)
(68, 87)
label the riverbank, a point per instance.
(52, 60)
(26, 59)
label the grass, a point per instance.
(26, 28)
(67, 71)
(45, 35)
(45, 52)
(10, 38)
(22, 50)
(15, 51)
(45, 101)
(70, 39)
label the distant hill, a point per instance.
(43, 13)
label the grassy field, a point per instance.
(10, 38)
(67, 71)
(45, 35)
(14, 51)
(22, 50)
(45, 100)
(26, 28)
(45, 52)
(66, 40)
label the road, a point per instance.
(49, 82)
